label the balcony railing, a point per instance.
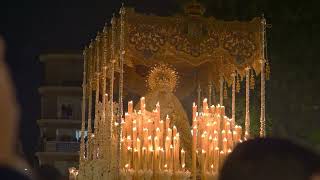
(61, 146)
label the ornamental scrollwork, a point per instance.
(240, 45)
(211, 43)
(147, 38)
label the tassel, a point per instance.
(225, 93)
(268, 71)
(238, 86)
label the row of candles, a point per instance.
(149, 143)
(214, 137)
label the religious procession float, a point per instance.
(164, 64)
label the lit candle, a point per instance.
(225, 145)
(216, 158)
(134, 137)
(194, 111)
(183, 159)
(177, 146)
(205, 105)
(156, 153)
(130, 107)
(222, 157)
(145, 160)
(194, 153)
(174, 131)
(171, 158)
(136, 159)
(129, 155)
(169, 133)
(212, 109)
(161, 132)
(142, 104)
(223, 134)
(203, 164)
(162, 158)
(210, 150)
(235, 134)
(151, 157)
(139, 152)
(230, 141)
(145, 137)
(212, 168)
(167, 122)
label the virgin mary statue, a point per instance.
(161, 82)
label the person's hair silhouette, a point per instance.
(269, 159)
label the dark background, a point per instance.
(37, 26)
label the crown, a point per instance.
(162, 77)
(194, 8)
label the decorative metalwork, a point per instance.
(186, 43)
(162, 76)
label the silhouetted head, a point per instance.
(270, 159)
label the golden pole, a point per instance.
(210, 93)
(122, 52)
(113, 60)
(233, 99)
(199, 97)
(96, 117)
(221, 90)
(263, 61)
(247, 120)
(90, 68)
(104, 87)
(83, 108)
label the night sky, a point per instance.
(36, 26)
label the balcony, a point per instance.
(62, 146)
